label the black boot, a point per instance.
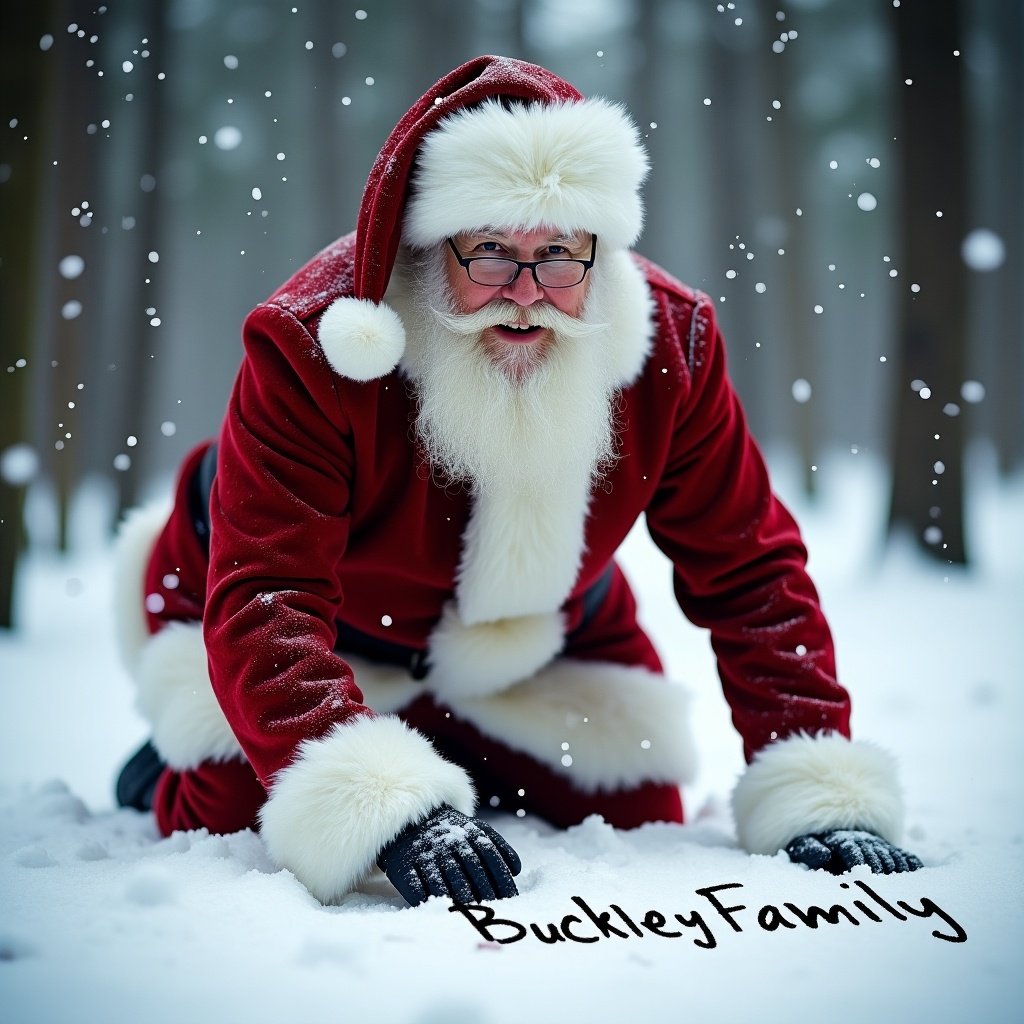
(138, 778)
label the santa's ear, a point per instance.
(362, 340)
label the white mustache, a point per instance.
(501, 311)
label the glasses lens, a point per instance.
(490, 271)
(560, 273)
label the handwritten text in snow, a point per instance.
(720, 909)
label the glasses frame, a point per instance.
(521, 265)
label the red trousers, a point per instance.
(226, 796)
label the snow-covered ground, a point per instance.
(100, 920)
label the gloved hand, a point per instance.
(449, 854)
(840, 849)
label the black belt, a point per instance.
(415, 660)
(351, 640)
(199, 494)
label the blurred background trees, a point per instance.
(842, 177)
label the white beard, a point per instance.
(530, 434)
(530, 421)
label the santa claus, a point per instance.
(388, 592)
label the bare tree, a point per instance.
(792, 329)
(733, 75)
(137, 296)
(24, 78)
(68, 312)
(1008, 305)
(927, 460)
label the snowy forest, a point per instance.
(843, 178)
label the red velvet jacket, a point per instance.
(323, 510)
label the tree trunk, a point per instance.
(927, 464)
(792, 321)
(69, 311)
(24, 80)
(1008, 384)
(136, 342)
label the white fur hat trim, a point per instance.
(575, 166)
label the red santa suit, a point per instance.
(353, 642)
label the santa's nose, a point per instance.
(524, 290)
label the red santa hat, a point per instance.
(495, 142)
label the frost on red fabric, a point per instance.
(323, 502)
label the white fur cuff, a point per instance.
(136, 535)
(805, 784)
(176, 697)
(348, 794)
(361, 340)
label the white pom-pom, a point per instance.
(361, 339)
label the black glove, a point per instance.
(448, 854)
(840, 849)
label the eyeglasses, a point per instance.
(498, 271)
